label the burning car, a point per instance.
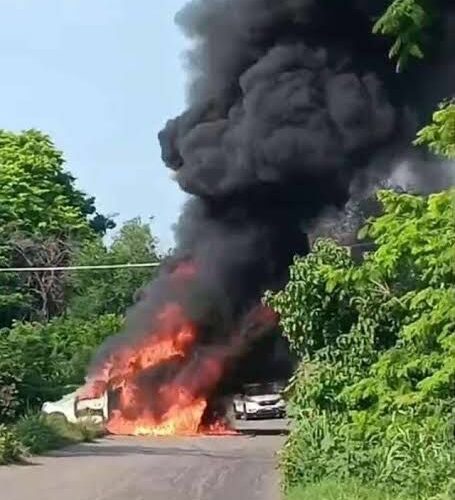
(260, 401)
(74, 409)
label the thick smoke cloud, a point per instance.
(293, 106)
(294, 93)
(290, 103)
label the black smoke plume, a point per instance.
(291, 102)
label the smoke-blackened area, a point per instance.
(291, 102)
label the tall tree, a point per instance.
(39, 205)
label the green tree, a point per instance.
(374, 394)
(113, 291)
(38, 203)
(38, 195)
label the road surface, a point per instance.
(204, 468)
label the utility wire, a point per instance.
(95, 268)
(77, 268)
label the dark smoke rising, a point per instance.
(291, 102)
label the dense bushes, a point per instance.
(374, 394)
(399, 454)
(39, 362)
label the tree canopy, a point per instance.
(46, 221)
(38, 195)
(43, 218)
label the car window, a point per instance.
(262, 389)
(254, 390)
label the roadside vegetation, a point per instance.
(52, 322)
(373, 398)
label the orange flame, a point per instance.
(172, 339)
(182, 418)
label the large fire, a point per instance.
(162, 382)
(182, 418)
(184, 407)
(150, 404)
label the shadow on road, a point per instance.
(264, 432)
(117, 451)
(113, 450)
(277, 427)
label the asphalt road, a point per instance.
(220, 468)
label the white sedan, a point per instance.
(260, 401)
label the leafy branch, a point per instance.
(439, 136)
(405, 21)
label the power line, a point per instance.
(102, 267)
(77, 268)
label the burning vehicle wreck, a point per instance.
(167, 385)
(117, 406)
(75, 410)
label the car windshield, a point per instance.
(262, 389)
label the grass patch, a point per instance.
(351, 490)
(337, 490)
(35, 434)
(41, 433)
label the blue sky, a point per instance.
(101, 77)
